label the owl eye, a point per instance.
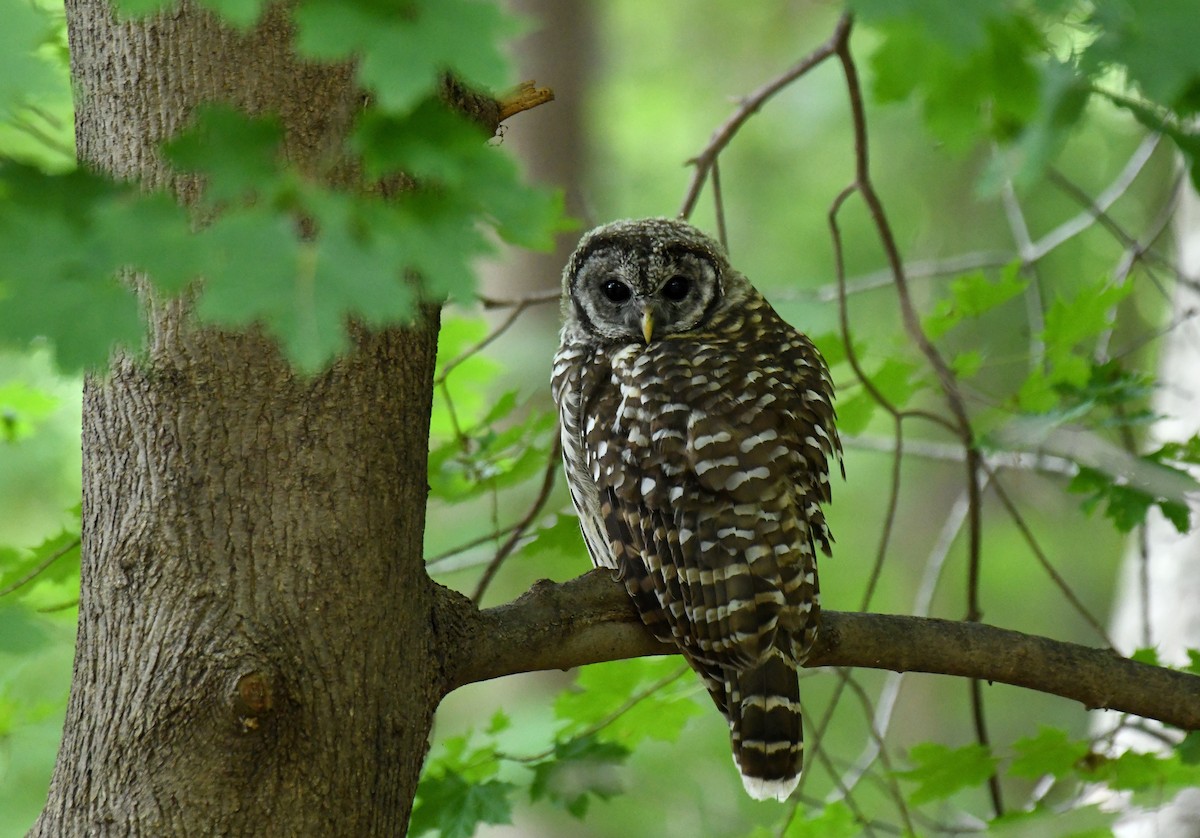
(677, 288)
(616, 291)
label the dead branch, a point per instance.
(527, 96)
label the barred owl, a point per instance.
(697, 435)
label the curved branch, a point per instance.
(591, 619)
(706, 159)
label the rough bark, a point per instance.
(255, 638)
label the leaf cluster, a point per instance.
(271, 245)
(597, 725)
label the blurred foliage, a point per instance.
(996, 129)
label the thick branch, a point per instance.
(591, 619)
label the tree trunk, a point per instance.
(255, 639)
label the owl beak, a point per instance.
(647, 323)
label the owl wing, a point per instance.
(710, 479)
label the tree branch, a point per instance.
(591, 619)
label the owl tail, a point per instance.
(765, 728)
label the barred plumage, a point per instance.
(697, 431)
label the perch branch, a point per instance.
(591, 619)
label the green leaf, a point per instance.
(499, 723)
(1126, 505)
(1050, 752)
(560, 538)
(855, 411)
(1147, 655)
(241, 14)
(444, 150)
(259, 271)
(150, 233)
(1155, 43)
(1193, 661)
(1188, 750)
(832, 821)
(580, 769)
(455, 807)
(972, 295)
(403, 49)
(1064, 97)
(967, 364)
(603, 690)
(54, 560)
(1139, 772)
(1185, 136)
(55, 282)
(1075, 821)
(237, 154)
(897, 379)
(1071, 322)
(1187, 451)
(21, 407)
(940, 771)
(484, 459)
(972, 65)
(24, 74)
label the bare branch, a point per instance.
(865, 187)
(748, 107)
(483, 344)
(518, 532)
(540, 298)
(591, 619)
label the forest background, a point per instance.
(1028, 156)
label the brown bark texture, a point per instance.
(254, 644)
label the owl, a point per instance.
(697, 435)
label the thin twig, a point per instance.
(591, 730)
(912, 323)
(535, 509)
(464, 547)
(922, 604)
(889, 517)
(719, 205)
(539, 298)
(920, 269)
(1034, 309)
(483, 344)
(748, 107)
(1044, 561)
(817, 749)
(40, 569)
(976, 260)
(877, 738)
(42, 137)
(1120, 185)
(1016, 460)
(839, 262)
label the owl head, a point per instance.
(646, 279)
